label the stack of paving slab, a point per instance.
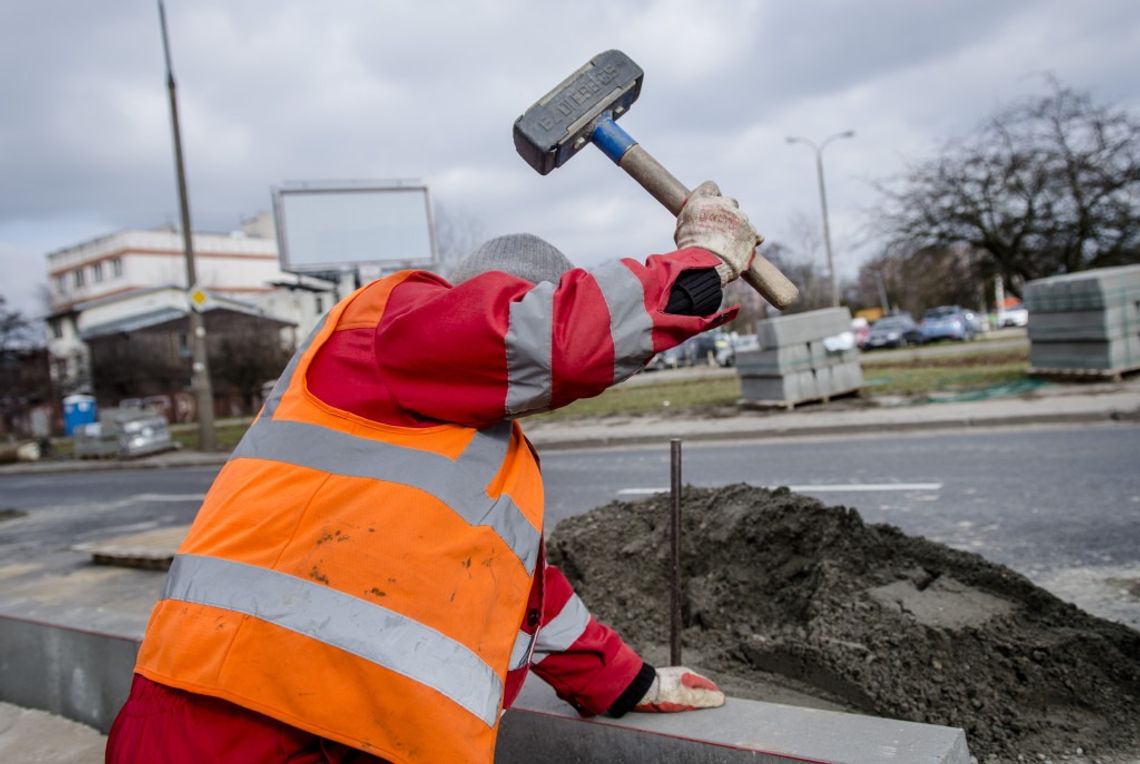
(794, 363)
(1085, 323)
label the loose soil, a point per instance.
(786, 596)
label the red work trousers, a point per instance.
(162, 724)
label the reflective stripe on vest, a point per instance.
(520, 653)
(530, 336)
(563, 630)
(286, 378)
(530, 351)
(630, 326)
(364, 629)
(319, 448)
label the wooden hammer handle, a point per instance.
(762, 276)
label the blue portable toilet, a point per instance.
(78, 410)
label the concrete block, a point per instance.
(823, 381)
(775, 361)
(803, 327)
(788, 388)
(543, 728)
(1106, 355)
(821, 356)
(86, 675)
(1086, 290)
(801, 356)
(846, 378)
(1104, 324)
(81, 675)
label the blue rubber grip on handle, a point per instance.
(611, 139)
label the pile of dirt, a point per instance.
(779, 585)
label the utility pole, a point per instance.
(823, 205)
(883, 302)
(200, 374)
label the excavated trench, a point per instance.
(789, 600)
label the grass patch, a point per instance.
(227, 435)
(951, 373)
(897, 376)
(654, 397)
(923, 380)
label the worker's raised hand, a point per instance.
(677, 688)
(714, 222)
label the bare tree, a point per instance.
(923, 279)
(457, 234)
(16, 331)
(799, 258)
(1048, 185)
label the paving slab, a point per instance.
(30, 735)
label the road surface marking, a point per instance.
(824, 488)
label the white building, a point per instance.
(238, 263)
(135, 279)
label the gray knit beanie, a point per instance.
(519, 254)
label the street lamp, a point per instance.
(823, 203)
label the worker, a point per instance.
(365, 580)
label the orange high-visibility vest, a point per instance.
(361, 581)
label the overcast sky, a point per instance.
(278, 90)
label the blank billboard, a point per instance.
(332, 227)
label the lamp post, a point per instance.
(200, 369)
(823, 203)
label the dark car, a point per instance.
(894, 331)
(947, 322)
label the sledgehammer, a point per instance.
(582, 110)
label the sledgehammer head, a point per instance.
(562, 122)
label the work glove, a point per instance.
(677, 688)
(714, 222)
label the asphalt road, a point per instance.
(1059, 504)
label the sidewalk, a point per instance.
(29, 735)
(1082, 403)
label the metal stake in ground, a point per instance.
(675, 572)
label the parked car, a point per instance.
(123, 432)
(735, 343)
(1015, 316)
(894, 331)
(699, 350)
(977, 322)
(946, 322)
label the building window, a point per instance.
(320, 306)
(61, 284)
(97, 272)
(80, 278)
(56, 328)
(116, 267)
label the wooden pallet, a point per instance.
(150, 550)
(791, 405)
(1087, 375)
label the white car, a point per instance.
(1018, 316)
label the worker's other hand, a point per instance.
(677, 688)
(714, 222)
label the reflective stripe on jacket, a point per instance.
(358, 580)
